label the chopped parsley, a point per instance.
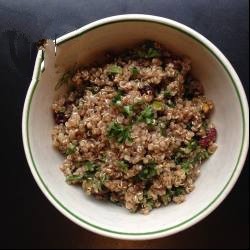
(192, 145)
(185, 165)
(149, 204)
(114, 70)
(134, 71)
(148, 171)
(90, 166)
(189, 126)
(147, 50)
(165, 199)
(205, 124)
(181, 159)
(103, 158)
(128, 110)
(118, 132)
(152, 52)
(123, 166)
(178, 158)
(95, 185)
(176, 191)
(167, 94)
(147, 116)
(201, 155)
(148, 53)
(103, 178)
(89, 170)
(74, 178)
(71, 149)
(117, 98)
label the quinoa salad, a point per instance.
(135, 129)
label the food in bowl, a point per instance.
(135, 129)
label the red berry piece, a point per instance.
(209, 138)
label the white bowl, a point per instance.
(218, 174)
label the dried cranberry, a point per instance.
(209, 138)
(196, 87)
(111, 77)
(60, 118)
(212, 134)
(204, 142)
(177, 65)
(148, 90)
(68, 102)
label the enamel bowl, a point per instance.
(222, 85)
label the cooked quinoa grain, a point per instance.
(135, 130)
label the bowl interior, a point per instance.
(215, 173)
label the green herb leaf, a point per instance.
(118, 132)
(103, 178)
(200, 156)
(134, 71)
(74, 178)
(149, 53)
(90, 166)
(149, 204)
(114, 69)
(167, 94)
(71, 149)
(123, 166)
(148, 171)
(205, 124)
(179, 190)
(189, 126)
(96, 184)
(178, 158)
(185, 165)
(192, 145)
(153, 53)
(128, 110)
(165, 199)
(147, 116)
(176, 191)
(103, 158)
(117, 99)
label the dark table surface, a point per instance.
(28, 220)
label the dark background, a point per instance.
(28, 220)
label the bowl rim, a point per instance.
(235, 81)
